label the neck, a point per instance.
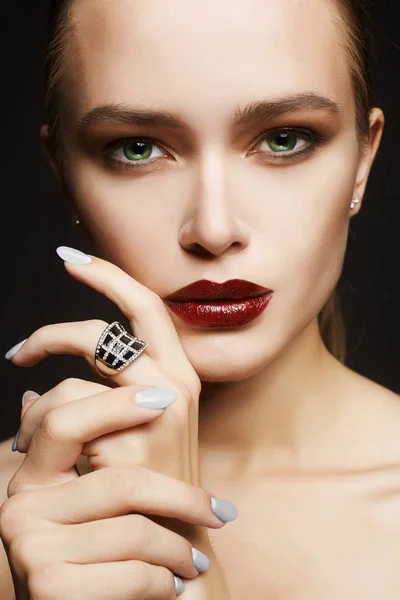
(276, 417)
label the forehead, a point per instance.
(202, 55)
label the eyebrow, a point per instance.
(252, 113)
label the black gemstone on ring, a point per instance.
(101, 352)
(118, 348)
(108, 340)
(116, 330)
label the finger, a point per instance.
(27, 400)
(146, 311)
(116, 491)
(128, 537)
(80, 338)
(34, 410)
(29, 397)
(58, 441)
(120, 580)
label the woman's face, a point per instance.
(213, 198)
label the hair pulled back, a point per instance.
(354, 21)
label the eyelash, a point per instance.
(313, 137)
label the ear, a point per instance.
(368, 153)
(60, 176)
(55, 166)
(45, 143)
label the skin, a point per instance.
(230, 213)
(282, 415)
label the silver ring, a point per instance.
(116, 349)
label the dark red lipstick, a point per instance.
(209, 304)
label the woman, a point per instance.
(211, 141)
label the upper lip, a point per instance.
(211, 290)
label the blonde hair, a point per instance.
(352, 18)
(332, 328)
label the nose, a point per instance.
(213, 226)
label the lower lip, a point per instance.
(222, 313)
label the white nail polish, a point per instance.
(156, 397)
(72, 256)
(179, 585)
(223, 509)
(29, 395)
(200, 560)
(11, 353)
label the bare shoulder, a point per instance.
(376, 401)
(369, 444)
(376, 435)
(372, 420)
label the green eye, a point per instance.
(137, 150)
(282, 141)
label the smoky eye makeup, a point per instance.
(132, 153)
(288, 143)
(277, 145)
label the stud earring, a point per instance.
(354, 202)
(77, 221)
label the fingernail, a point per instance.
(75, 257)
(15, 442)
(179, 585)
(11, 353)
(156, 397)
(200, 560)
(224, 510)
(29, 395)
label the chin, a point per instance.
(216, 361)
(237, 355)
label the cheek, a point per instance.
(126, 221)
(313, 236)
(317, 253)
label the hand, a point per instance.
(163, 364)
(86, 538)
(102, 448)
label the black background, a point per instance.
(36, 290)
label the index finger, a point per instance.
(146, 311)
